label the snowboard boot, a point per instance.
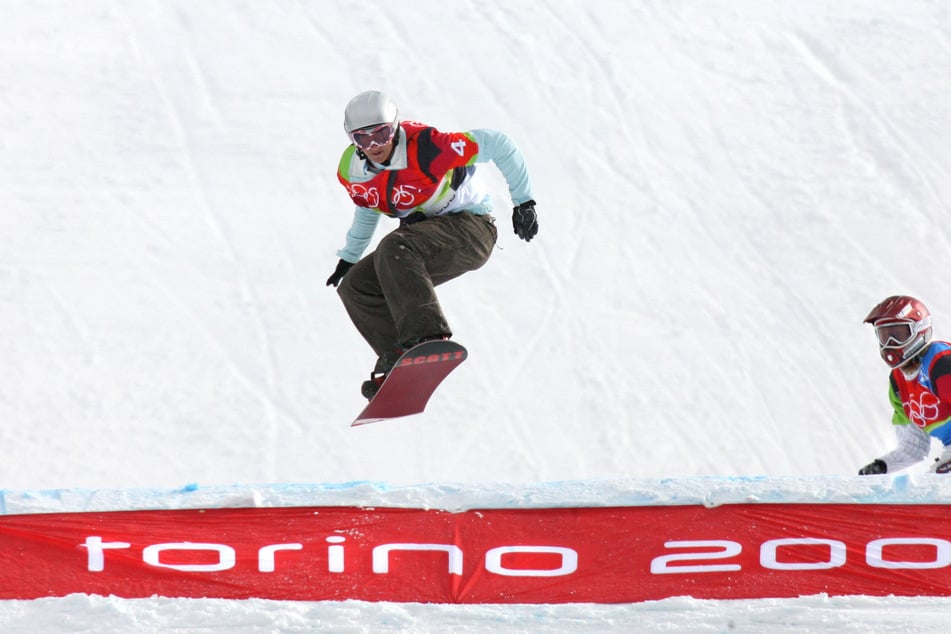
(372, 386)
(378, 375)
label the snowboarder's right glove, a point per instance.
(874, 468)
(342, 267)
(525, 220)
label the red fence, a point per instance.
(600, 555)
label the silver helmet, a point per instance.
(367, 109)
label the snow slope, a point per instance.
(725, 188)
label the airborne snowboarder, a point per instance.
(427, 180)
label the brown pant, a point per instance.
(390, 294)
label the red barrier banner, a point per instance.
(558, 555)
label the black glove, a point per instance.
(342, 267)
(874, 468)
(525, 220)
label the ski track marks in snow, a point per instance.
(724, 189)
(885, 143)
(214, 213)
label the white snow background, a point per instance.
(724, 188)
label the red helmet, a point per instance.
(903, 327)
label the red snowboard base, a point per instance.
(412, 381)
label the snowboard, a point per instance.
(412, 381)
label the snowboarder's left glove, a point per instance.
(525, 220)
(342, 267)
(874, 468)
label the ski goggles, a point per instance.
(373, 136)
(896, 334)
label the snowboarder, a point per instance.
(426, 179)
(919, 384)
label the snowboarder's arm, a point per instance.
(913, 443)
(499, 148)
(360, 233)
(913, 446)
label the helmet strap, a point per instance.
(914, 352)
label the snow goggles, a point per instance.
(373, 136)
(895, 334)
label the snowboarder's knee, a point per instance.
(393, 247)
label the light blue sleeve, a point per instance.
(359, 235)
(499, 148)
